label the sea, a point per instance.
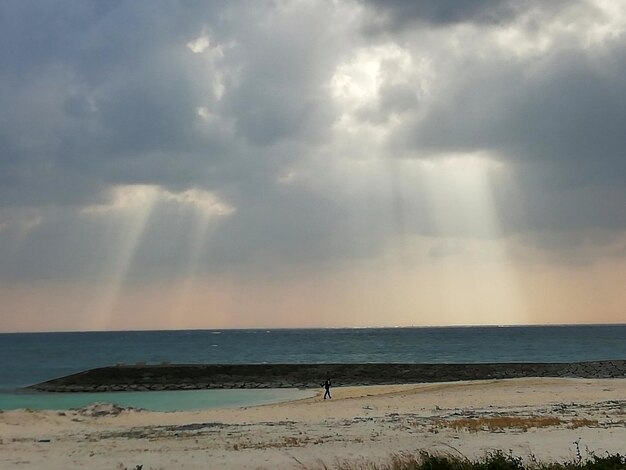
(29, 358)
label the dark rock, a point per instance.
(187, 377)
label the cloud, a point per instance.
(542, 93)
(398, 14)
(305, 129)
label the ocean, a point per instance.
(28, 358)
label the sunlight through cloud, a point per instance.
(470, 240)
(132, 206)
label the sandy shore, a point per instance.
(542, 417)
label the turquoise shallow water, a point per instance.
(154, 401)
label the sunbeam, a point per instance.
(131, 206)
(470, 248)
(203, 228)
(15, 227)
(311, 163)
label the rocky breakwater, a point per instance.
(216, 376)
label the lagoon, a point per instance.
(186, 400)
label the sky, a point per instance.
(238, 164)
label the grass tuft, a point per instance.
(494, 461)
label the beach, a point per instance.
(540, 417)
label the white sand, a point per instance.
(359, 423)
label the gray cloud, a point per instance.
(398, 14)
(109, 94)
(113, 93)
(92, 88)
(569, 109)
(560, 126)
(393, 99)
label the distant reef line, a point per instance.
(142, 377)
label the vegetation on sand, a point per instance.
(494, 461)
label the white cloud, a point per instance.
(199, 45)
(128, 198)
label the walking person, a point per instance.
(326, 386)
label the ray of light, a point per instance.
(131, 207)
(202, 231)
(16, 225)
(471, 242)
(207, 210)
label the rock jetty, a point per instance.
(142, 377)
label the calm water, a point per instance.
(155, 401)
(29, 358)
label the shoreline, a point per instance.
(165, 401)
(543, 417)
(171, 377)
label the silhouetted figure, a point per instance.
(326, 386)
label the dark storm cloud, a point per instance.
(560, 115)
(280, 91)
(400, 13)
(568, 110)
(560, 124)
(91, 89)
(101, 94)
(396, 16)
(110, 94)
(556, 118)
(106, 95)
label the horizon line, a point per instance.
(378, 327)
